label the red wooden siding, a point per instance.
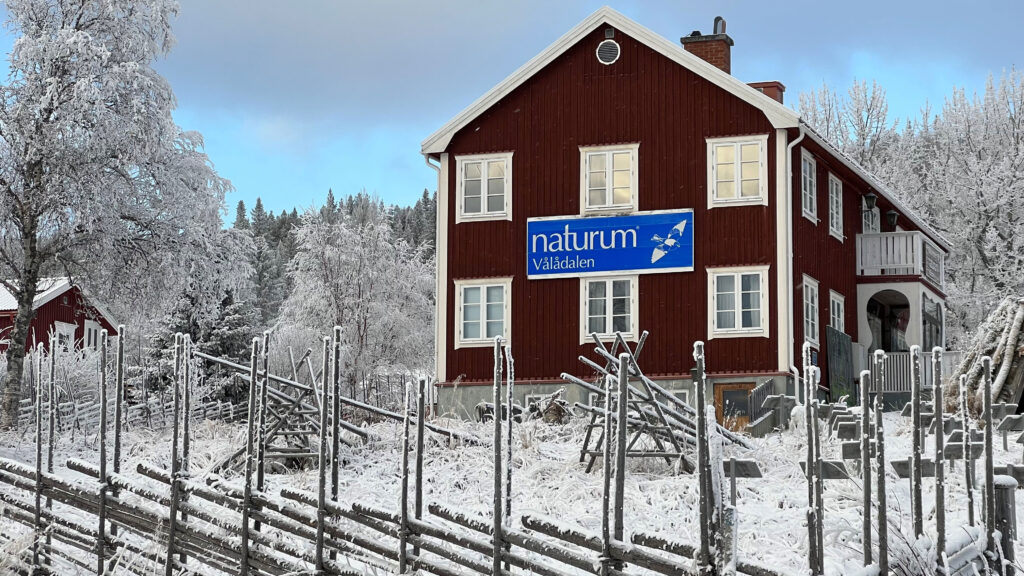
(574, 101)
(76, 312)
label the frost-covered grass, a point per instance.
(548, 480)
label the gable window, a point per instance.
(92, 334)
(483, 312)
(811, 324)
(484, 187)
(835, 207)
(837, 311)
(872, 223)
(739, 302)
(608, 305)
(737, 171)
(608, 178)
(809, 186)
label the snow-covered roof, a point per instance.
(777, 114)
(49, 288)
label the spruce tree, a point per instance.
(241, 218)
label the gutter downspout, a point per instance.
(789, 254)
(437, 277)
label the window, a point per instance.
(811, 310)
(484, 187)
(835, 207)
(837, 311)
(739, 302)
(483, 311)
(872, 223)
(92, 335)
(683, 395)
(532, 399)
(65, 334)
(608, 306)
(608, 178)
(737, 171)
(809, 186)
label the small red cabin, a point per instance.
(62, 309)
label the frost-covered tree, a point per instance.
(357, 274)
(94, 173)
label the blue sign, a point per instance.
(644, 242)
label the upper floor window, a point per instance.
(737, 170)
(608, 178)
(809, 186)
(872, 223)
(739, 302)
(483, 311)
(608, 305)
(484, 187)
(835, 207)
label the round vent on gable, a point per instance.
(608, 52)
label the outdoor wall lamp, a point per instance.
(869, 201)
(891, 216)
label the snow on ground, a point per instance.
(549, 480)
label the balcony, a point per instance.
(900, 254)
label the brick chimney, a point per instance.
(712, 48)
(773, 89)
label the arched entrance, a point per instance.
(889, 319)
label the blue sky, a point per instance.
(294, 98)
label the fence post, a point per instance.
(247, 491)
(323, 462)
(261, 446)
(883, 512)
(510, 379)
(606, 468)
(186, 426)
(812, 530)
(118, 408)
(38, 523)
(819, 488)
(101, 536)
(915, 453)
(169, 565)
(420, 391)
(966, 443)
(938, 399)
(333, 383)
(620, 450)
(403, 530)
(52, 425)
(1005, 515)
(703, 461)
(990, 495)
(865, 460)
(496, 560)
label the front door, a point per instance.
(732, 405)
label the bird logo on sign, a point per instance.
(669, 243)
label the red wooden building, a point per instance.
(782, 238)
(61, 309)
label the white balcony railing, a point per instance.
(898, 366)
(900, 254)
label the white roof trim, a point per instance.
(50, 289)
(777, 114)
(882, 190)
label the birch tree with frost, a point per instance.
(94, 173)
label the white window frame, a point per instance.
(837, 311)
(812, 321)
(460, 214)
(871, 220)
(683, 395)
(808, 186)
(92, 328)
(634, 156)
(835, 207)
(634, 300)
(504, 282)
(532, 397)
(737, 141)
(765, 289)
